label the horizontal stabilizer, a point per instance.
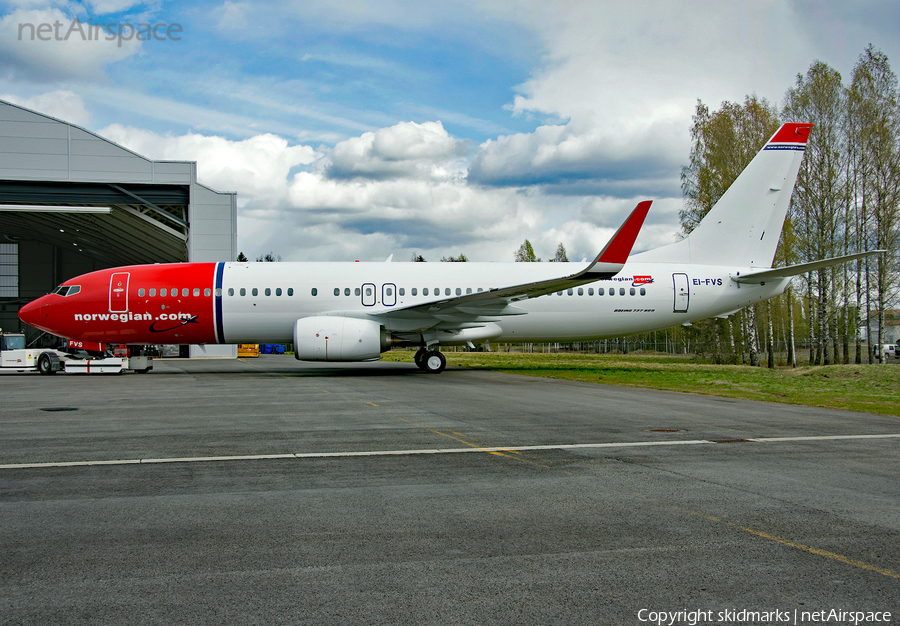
(778, 273)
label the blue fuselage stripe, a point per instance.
(220, 332)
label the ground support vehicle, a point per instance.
(16, 357)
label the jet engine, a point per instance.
(335, 338)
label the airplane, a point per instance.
(355, 311)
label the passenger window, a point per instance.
(162, 292)
(153, 292)
(315, 291)
(559, 293)
(621, 291)
(458, 291)
(369, 291)
(580, 291)
(254, 291)
(480, 290)
(184, 292)
(468, 290)
(425, 291)
(218, 292)
(414, 291)
(569, 291)
(174, 292)
(268, 291)
(290, 291)
(141, 292)
(401, 291)
(207, 292)
(446, 291)
(632, 291)
(601, 291)
(243, 291)
(231, 291)
(278, 291)
(590, 291)
(612, 291)
(356, 291)
(346, 291)
(337, 291)
(389, 291)
(643, 291)
(197, 291)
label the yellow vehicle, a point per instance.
(248, 349)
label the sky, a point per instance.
(354, 130)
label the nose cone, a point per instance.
(31, 313)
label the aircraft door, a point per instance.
(389, 294)
(682, 293)
(118, 292)
(368, 294)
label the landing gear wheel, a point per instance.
(45, 365)
(434, 362)
(420, 358)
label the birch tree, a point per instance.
(820, 193)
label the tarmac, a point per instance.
(269, 491)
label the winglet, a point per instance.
(620, 245)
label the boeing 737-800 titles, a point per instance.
(356, 311)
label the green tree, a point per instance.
(875, 120)
(462, 258)
(560, 255)
(242, 258)
(417, 258)
(525, 254)
(269, 257)
(723, 143)
(819, 199)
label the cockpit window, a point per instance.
(67, 290)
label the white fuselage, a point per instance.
(642, 297)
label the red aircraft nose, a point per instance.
(31, 313)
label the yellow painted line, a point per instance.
(495, 451)
(372, 403)
(792, 544)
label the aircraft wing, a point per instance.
(778, 273)
(476, 307)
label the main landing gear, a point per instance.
(430, 361)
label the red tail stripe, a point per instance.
(792, 133)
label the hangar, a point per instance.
(73, 202)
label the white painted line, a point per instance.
(364, 453)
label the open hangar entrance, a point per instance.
(73, 202)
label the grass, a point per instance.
(868, 388)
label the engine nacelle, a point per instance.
(334, 338)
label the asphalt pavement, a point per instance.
(268, 491)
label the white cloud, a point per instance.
(257, 168)
(408, 194)
(619, 83)
(406, 149)
(64, 105)
(43, 45)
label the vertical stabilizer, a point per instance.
(744, 226)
